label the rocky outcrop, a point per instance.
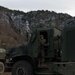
(13, 24)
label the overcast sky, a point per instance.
(59, 6)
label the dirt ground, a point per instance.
(6, 73)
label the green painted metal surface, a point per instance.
(68, 43)
(33, 46)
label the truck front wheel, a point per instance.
(22, 68)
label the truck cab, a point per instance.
(25, 57)
(34, 43)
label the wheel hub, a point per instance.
(20, 71)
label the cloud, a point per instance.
(28, 5)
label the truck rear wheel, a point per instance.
(22, 68)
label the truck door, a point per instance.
(51, 41)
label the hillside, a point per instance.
(13, 24)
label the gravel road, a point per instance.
(6, 73)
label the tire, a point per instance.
(22, 68)
(2, 67)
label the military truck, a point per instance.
(59, 55)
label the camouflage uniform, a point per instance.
(41, 56)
